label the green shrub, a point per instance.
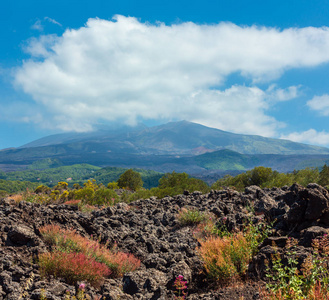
(311, 281)
(140, 194)
(104, 196)
(188, 217)
(112, 185)
(130, 180)
(266, 178)
(86, 194)
(3, 193)
(42, 189)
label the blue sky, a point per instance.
(254, 67)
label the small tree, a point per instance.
(113, 185)
(259, 175)
(324, 176)
(62, 185)
(131, 180)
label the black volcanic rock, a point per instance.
(149, 229)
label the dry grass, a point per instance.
(73, 267)
(69, 241)
(17, 198)
(225, 258)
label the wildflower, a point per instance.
(82, 286)
(180, 286)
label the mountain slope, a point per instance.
(175, 138)
(173, 146)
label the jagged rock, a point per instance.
(22, 235)
(150, 230)
(264, 204)
(255, 191)
(296, 213)
(41, 293)
(143, 281)
(318, 202)
(275, 241)
(309, 234)
(259, 264)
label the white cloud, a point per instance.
(310, 136)
(278, 94)
(239, 109)
(40, 47)
(53, 21)
(127, 70)
(320, 104)
(37, 26)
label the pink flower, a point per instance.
(82, 286)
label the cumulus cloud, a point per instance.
(310, 136)
(127, 70)
(320, 104)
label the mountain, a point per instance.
(173, 139)
(180, 146)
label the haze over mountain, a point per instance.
(181, 146)
(174, 138)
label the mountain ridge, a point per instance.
(178, 138)
(177, 146)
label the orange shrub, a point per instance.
(69, 241)
(17, 197)
(72, 202)
(73, 267)
(225, 258)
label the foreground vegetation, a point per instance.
(226, 254)
(76, 258)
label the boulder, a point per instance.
(144, 281)
(22, 235)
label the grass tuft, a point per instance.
(187, 217)
(225, 258)
(68, 241)
(73, 252)
(73, 267)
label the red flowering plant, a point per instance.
(180, 286)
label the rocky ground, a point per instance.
(150, 230)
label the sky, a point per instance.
(251, 67)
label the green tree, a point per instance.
(259, 176)
(170, 180)
(42, 189)
(306, 176)
(176, 183)
(131, 180)
(62, 185)
(324, 176)
(112, 185)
